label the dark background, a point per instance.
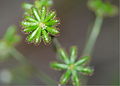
(76, 19)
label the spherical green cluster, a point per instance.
(41, 24)
(72, 67)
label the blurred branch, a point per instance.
(44, 77)
(93, 36)
(18, 56)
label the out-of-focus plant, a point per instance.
(74, 68)
(101, 10)
(9, 40)
(19, 74)
(37, 4)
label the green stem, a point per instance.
(56, 43)
(44, 77)
(18, 56)
(93, 36)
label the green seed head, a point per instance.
(71, 66)
(40, 25)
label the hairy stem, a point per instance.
(93, 36)
(44, 77)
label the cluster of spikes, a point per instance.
(39, 22)
(73, 67)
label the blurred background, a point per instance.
(76, 19)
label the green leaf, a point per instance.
(10, 36)
(50, 16)
(30, 19)
(85, 70)
(26, 6)
(102, 8)
(28, 24)
(75, 79)
(46, 37)
(58, 66)
(94, 4)
(30, 29)
(10, 33)
(110, 10)
(43, 13)
(52, 22)
(36, 13)
(52, 31)
(4, 50)
(38, 36)
(82, 61)
(40, 3)
(16, 39)
(32, 36)
(65, 77)
(73, 54)
(63, 55)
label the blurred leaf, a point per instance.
(63, 55)
(10, 36)
(26, 6)
(37, 4)
(73, 52)
(75, 78)
(84, 60)
(40, 3)
(7, 42)
(102, 8)
(65, 77)
(86, 70)
(58, 66)
(4, 51)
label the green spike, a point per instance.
(36, 13)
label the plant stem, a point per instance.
(93, 36)
(44, 77)
(18, 56)
(56, 43)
